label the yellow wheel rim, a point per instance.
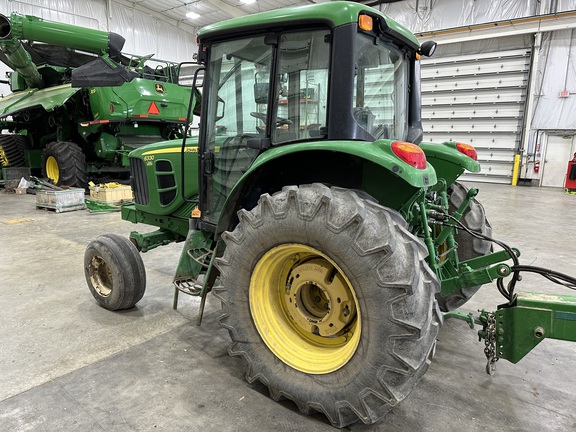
(3, 158)
(305, 309)
(52, 169)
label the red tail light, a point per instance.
(468, 150)
(410, 153)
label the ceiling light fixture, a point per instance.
(248, 1)
(192, 15)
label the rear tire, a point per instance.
(329, 300)
(114, 272)
(469, 247)
(64, 163)
(12, 150)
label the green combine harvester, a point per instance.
(72, 133)
(336, 240)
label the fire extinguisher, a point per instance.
(536, 166)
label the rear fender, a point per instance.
(447, 161)
(369, 167)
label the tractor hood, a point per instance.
(48, 99)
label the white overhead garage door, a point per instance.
(478, 99)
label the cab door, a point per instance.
(237, 91)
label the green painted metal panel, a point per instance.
(447, 151)
(534, 317)
(171, 224)
(36, 29)
(168, 151)
(336, 13)
(19, 59)
(196, 245)
(379, 152)
(135, 98)
(564, 307)
(448, 162)
(48, 99)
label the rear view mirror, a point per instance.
(220, 109)
(261, 93)
(186, 73)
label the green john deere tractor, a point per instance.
(75, 127)
(335, 239)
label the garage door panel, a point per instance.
(504, 95)
(492, 67)
(478, 99)
(500, 111)
(474, 125)
(486, 178)
(494, 141)
(496, 155)
(476, 57)
(495, 168)
(513, 80)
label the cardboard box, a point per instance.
(20, 191)
(112, 195)
(62, 201)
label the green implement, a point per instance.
(78, 105)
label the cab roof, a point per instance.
(334, 13)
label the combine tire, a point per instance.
(468, 247)
(114, 272)
(330, 301)
(12, 150)
(65, 164)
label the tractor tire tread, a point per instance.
(378, 235)
(13, 147)
(71, 163)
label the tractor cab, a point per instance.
(309, 80)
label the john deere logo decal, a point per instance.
(159, 88)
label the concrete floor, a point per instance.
(68, 365)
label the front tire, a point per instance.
(329, 300)
(114, 272)
(64, 163)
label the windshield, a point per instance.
(381, 89)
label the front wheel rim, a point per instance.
(305, 309)
(100, 276)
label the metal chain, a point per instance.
(490, 344)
